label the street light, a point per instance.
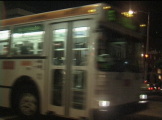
(148, 26)
(147, 40)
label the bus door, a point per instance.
(69, 68)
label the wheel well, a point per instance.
(20, 83)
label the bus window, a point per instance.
(4, 41)
(80, 47)
(27, 40)
(59, 76)
(78, 98)
(59, 43)
(118, 52)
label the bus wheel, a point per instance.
(28, 103)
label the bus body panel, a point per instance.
(51, 15)
(102, 89)
(117, 87)
(12, 69)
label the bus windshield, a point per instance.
(118, 52)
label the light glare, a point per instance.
(104, 103)
(130, 12)
(106, 7)
(4, 35)
(92, 10)
(142, 102)
(143, 96)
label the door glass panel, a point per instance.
(59, 77)
(80, 47)
(78, 98)
(59, 43)
(58, 59)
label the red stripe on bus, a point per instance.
(26, 63)
(8, 64)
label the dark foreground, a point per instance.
(153, 112)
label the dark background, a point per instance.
(154, 7)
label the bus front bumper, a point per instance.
(118, 111)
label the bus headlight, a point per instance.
(103, 104)
(143, 97)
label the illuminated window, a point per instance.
(27, 40)
(4, 41)
(59, 46)
(80, 47)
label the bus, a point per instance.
(78, 63)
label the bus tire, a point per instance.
(27, 103)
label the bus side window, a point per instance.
(27, 40)
(4, 43)
(79, 87)
(59, 46)
(58, 76)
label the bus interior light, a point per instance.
(4, 35)
(60, 30)
(81, 29)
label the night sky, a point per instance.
(154, 7)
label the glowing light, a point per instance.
(81, 29)
(143, 96)
(27, 34)
(142, 102)
(146, 55)
(106, 7)
(33, 33)
(130, 13)
(142, 55)
(17, 35)
(4, 35)
(60, 30)
(92, 11)
(104, 103)
(127, 14)
(142, 25)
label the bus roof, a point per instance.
(88, 9)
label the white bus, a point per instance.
(79, 63)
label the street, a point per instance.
(154, 112)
